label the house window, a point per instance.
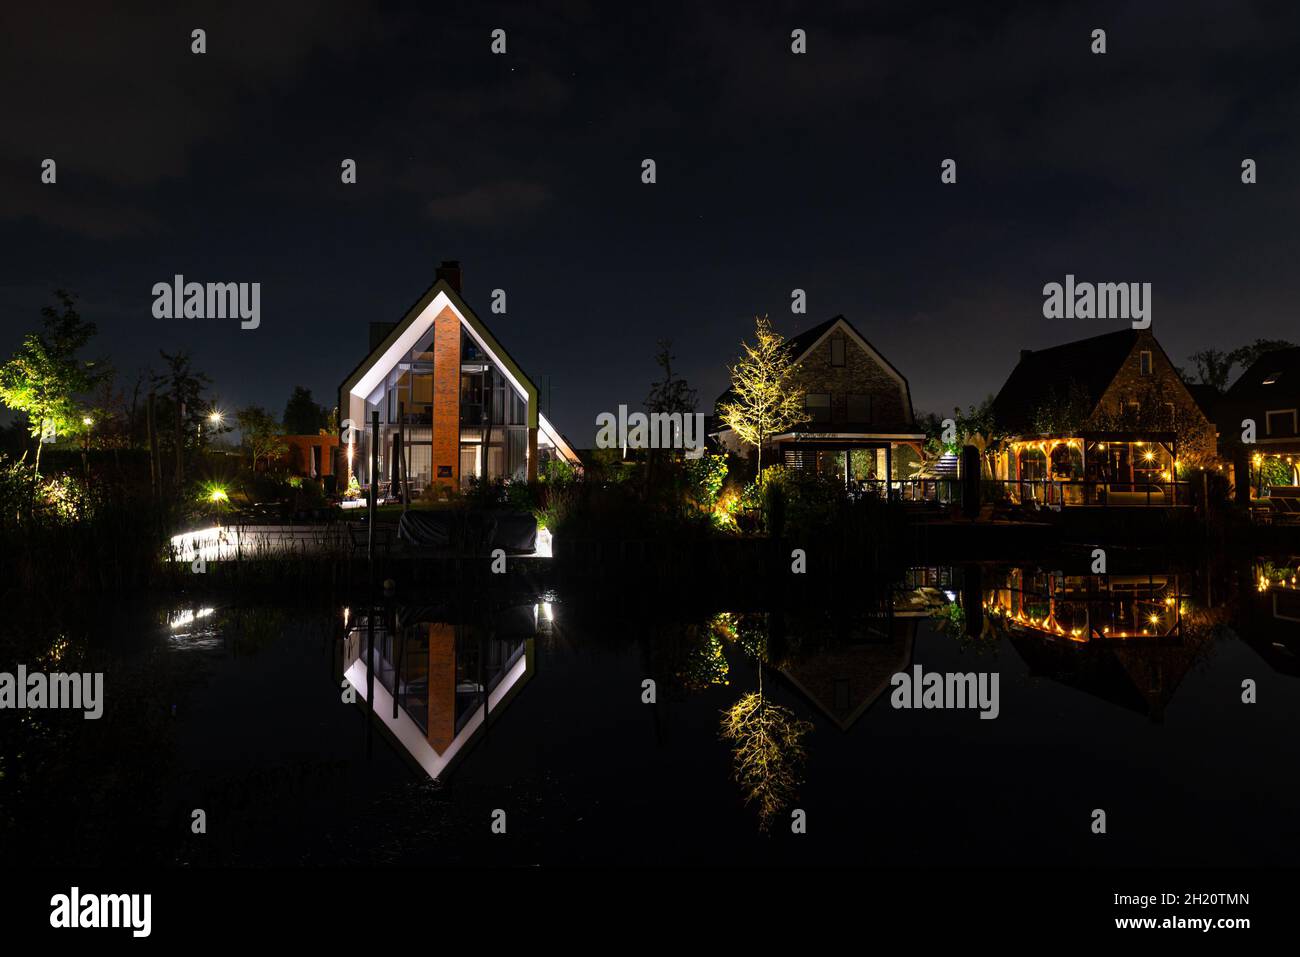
(818, 406)
(859, 408)
(837, 351)
(1280, 422)
(1144, 362)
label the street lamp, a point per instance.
(216, 417)
(88, 422)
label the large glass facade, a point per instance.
(493, 420)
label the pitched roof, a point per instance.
(1045, 376)
(1283, 366)
(1207, 398)
(800, 344)
(474, 323)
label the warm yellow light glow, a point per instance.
(217, 495)
(87, 421)
(1154, 619)
(216, 417)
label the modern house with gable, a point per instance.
(448, 395)
(860, 425)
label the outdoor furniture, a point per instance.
(1284, 504)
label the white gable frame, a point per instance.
(413, 333)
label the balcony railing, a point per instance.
(1047, 493)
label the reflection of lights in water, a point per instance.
(188, 617)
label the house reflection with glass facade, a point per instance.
(448, 396)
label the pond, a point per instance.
(619, 734)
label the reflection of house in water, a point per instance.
(1085, 607)
(1116, 637)
(450, 678)
(844, 673)
(1271, 616)
(1140, 676)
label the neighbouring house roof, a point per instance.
(1207, 398)
(1283, 366)
(800, 345)
(1044, 376)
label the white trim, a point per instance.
(1295, 425)
(545, 428)
(408, 733)
(379, 369)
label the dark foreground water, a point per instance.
(238, 711)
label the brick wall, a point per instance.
(442, 686)
(446, 397)
(861, 374)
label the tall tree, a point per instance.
(767, 401)
(671, 393)
(44, 378)
(184, 388)
(261, 433)
(302, 416)
(1214, 367)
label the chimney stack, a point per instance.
(449, 270)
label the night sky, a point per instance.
(775, 171)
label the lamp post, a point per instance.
(88, 422)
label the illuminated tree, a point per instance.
(44, 377)
(768, 753)
(767, 402)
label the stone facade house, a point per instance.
(1101, 421)
(860, 425)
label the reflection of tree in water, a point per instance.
(704, 664)
(950, 621)
(767, 739)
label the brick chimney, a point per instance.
(449, 270)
